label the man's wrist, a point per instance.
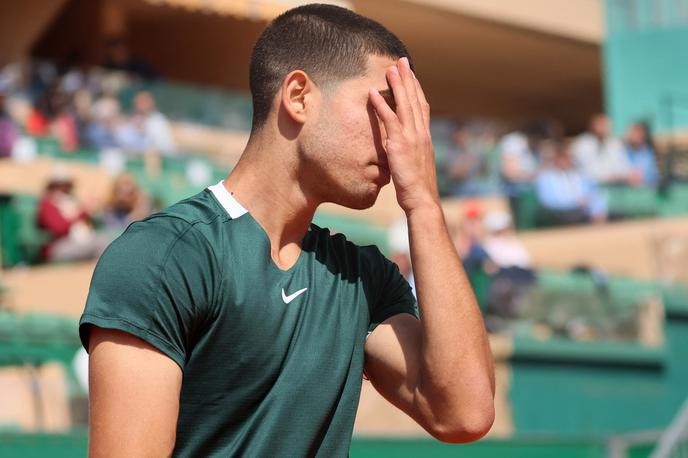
(431, 211)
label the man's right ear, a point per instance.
(296, 95)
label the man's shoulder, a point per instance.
(190, 221)
(339, 242)
(367, 259)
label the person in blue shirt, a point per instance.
(565, 195)
(640, 153)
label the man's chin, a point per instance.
(360, 201)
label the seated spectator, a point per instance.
(9, 134)
(501, 243)
(153, 125)
(83, 103)
(565, 195)
(520, 157)
(62, 122)
(641, 154)
(469, 163)
(514, 276)
(72, 236)
(36, 121)
(468, 236)
(128, 203)
(601, 156)
(102, 130)
(519, 153)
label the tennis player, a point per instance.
(230, 325)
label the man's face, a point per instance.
(563, 161)
(600, 126)
(144, 103)
(636, 135)
(343, 151)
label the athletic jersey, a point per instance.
(272, 360)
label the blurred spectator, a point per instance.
(565, 195)
(127, 203)
(37, 122)
(519, 153)
(469, 165)
(71, 234)
(514, 276)
(602, 157)
(9, 134)
(501, 243)
(102, 130)
(520, 156)
(82, 102)
(641, 154)
(468, 236)
(118, 57)
(62, 123)
(153, 125)
(52, 114)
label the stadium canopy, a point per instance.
(262, 10)
(511, 62)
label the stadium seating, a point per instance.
(36, 339)
(203, 105)
(631, 202)
(21, 238)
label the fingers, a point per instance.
(409, 80)
(424, 105)
(386, 114)
(403, 111)
(412, 109)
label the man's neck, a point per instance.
(265, 182)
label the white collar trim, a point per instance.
(229, 203)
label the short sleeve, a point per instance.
(156, 282)
(392, 294)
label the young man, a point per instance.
(229, 325)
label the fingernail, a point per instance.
(395, 70)
(406, 62)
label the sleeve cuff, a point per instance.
(409, 308)
(122, 325)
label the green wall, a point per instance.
(577, 398)
(74, 446)
(646, 61)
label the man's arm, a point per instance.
(438, 370)
(133, 397)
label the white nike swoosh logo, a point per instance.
(291, 297)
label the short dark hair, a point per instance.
(328, 42)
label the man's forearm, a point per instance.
(456, 374)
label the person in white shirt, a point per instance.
(155, 126)
(502, 245)
(602, 157)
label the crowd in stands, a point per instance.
(75, 232)
(84, 110)
(81, 109)
(567, 175)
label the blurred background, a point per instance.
(561, 134)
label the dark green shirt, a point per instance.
(272, 359)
